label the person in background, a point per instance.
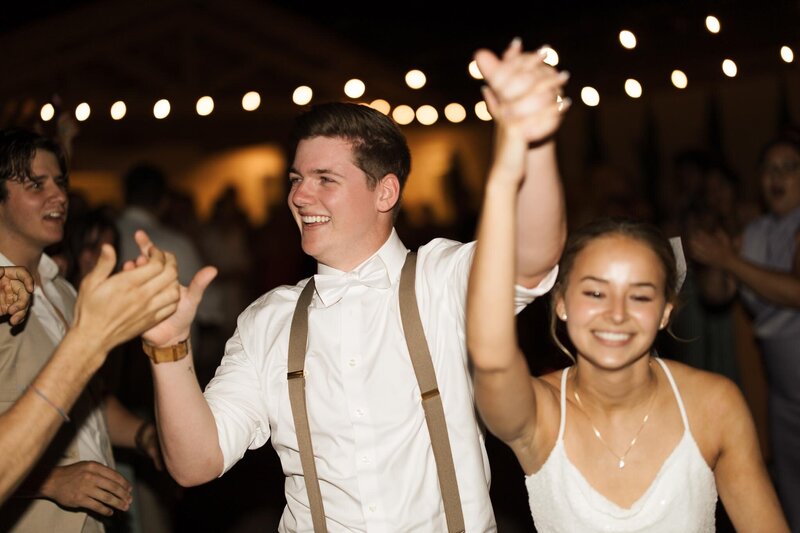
(223, 243)
(74, 483)
(765, 268)
(147, 200)
(705, 330)
(374, 462)
(85, 235)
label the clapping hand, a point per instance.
(115, 308)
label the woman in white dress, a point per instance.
(621, 440)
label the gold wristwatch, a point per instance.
(167, 354)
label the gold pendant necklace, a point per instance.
(620, 458)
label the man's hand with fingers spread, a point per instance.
(177, 326)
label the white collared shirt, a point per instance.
(371, 444)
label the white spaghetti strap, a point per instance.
(561, 424)
(675, 392)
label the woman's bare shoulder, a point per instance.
(710, 399)
(685, 371)
(694, 382)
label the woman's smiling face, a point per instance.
(614, 300)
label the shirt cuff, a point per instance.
(543, 287)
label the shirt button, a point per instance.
(359, 412)
(372, 508)
(352, 361)
(365, 459)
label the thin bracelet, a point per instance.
(45, 398)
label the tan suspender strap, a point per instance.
(297, 397)
(431, 400)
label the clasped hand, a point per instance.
(16, 287)
(523, 93)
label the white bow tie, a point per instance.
(332, 287)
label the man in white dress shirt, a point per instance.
(75, 483)
(372, 449)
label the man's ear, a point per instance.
(388, 193)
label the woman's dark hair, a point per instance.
(83, 232)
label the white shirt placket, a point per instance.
(353, 375)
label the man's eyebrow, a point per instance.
(314, 172)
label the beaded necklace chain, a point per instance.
(620, 458)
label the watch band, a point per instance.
(167, 354)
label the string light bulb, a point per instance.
(416, 79)
(712, 24)
(627, 39)
(118, 110)
(47, 112)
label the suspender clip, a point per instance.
(433, 393)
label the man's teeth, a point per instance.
(54, 215)
(315, 219)
(612, 336)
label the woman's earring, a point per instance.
(564, 317)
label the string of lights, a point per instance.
(416, 79)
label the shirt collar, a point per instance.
(48, 269)
(392, 253)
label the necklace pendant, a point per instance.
(621, 464)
